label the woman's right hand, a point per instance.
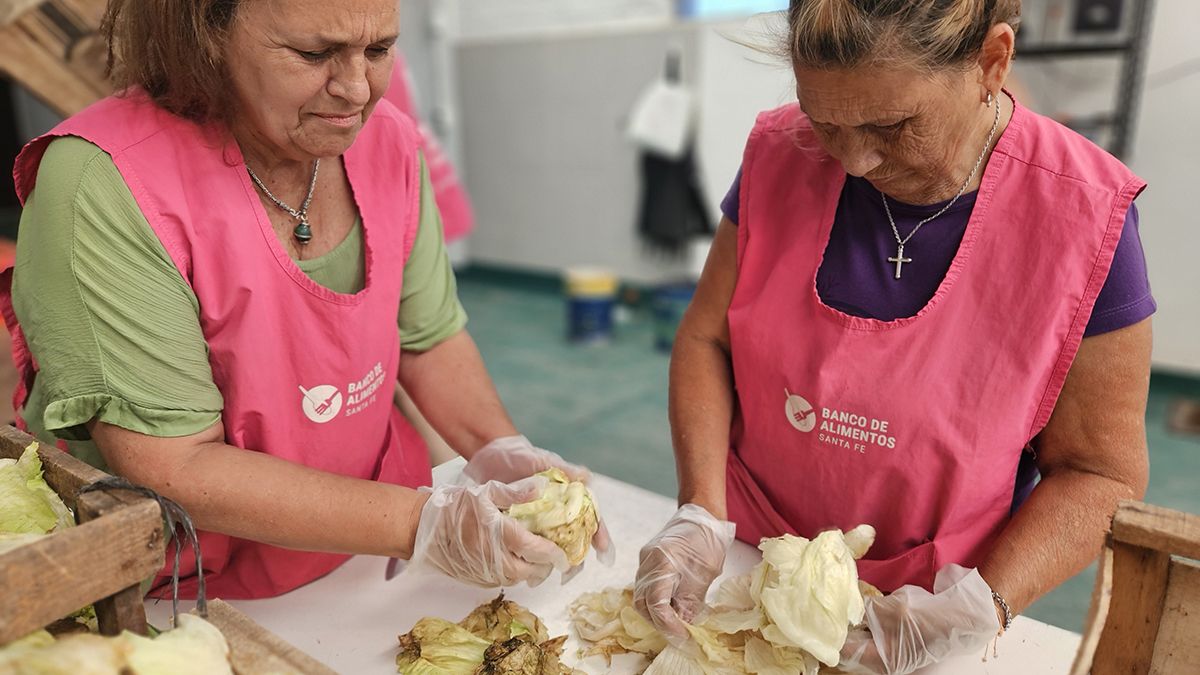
(463, 533)
(677, 567)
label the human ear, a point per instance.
(995, 59)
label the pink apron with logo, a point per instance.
(448, 190)
(914, 426)
(307, 374)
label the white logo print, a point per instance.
(800, 413)
(321, 403)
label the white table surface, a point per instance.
(350, 619)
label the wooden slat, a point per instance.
(54, 51)
(1154, 527)
(1177, 649)
(64, 473)
(123, 610)
(10, 10)
(253, 649)
(1127, 643)
(1097, 615)
(50, 578)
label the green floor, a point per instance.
(607, 406)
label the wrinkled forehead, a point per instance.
(340, 21)
(869, 95)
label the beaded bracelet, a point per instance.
(1008, 617)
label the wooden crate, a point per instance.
(53, 48)
(253, 649)
(102, 561)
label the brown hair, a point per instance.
(932, 34)
(174, 50)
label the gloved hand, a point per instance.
(463, 534)
(913, 628)
(512, 458)
(677, 566)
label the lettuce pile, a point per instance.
(29, 509)
(497, 638)
(790, 615)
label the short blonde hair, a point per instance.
(173, 49)
(932, 34)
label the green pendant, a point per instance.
(302, 233)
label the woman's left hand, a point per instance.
(513, 458)
(913, 628)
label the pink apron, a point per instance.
(307, 374)
(448, 190)
(914, 426)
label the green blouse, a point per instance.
(115, 328)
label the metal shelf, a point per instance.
(1132, 53)
(1051, 51)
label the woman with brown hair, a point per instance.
(210, 270)
(916, 280)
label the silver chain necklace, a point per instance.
(900, 260)
(302, 231)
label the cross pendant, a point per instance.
(899, 259)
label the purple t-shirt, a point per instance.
(855, 277)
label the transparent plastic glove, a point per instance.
(913, 628)
(512, 458)
(676, 568)
(463, 534)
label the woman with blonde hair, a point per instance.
(921, 296)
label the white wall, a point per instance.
(552, 178)
(505, 18)
(1167, 155)
(735, 83)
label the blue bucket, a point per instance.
(667, 305)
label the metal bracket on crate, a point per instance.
(173, 514)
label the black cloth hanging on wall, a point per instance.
(672, 206)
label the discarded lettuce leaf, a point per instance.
(27, 504)
(607, 620)
(565, 513)
(789, 615)
(497, 638)
(437, 647)
(502, 619)
(521, 656)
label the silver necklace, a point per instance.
(900, 260)
(302, 231)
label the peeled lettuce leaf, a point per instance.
(764, 658)
(27, 504)
(809, 591)
(565, 513)
(73, 655)
(789, 615)
(195, 647)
